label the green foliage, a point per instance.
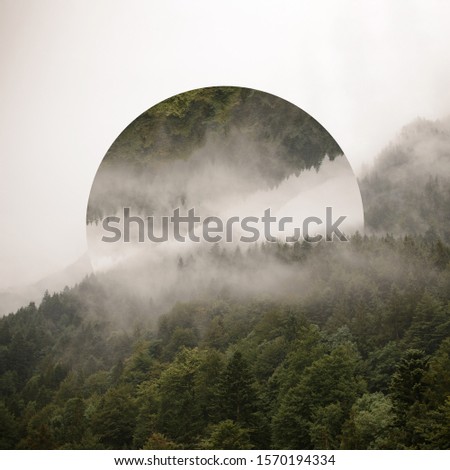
(9, 428)
(174, 127)
(325, 426)
(114, 418)
(180, 411)
(158, 441)
(407, 382)
(369, 424)
(227, 435)
(361, 361)
(312, 411)
(237, 394)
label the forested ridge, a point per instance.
(408, 190)
(361, 362)
(358, 360)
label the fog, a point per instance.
(68, 88)
(153, 272)
(229, 175)
(408, 189)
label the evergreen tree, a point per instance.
(227, 435)
(114, 419)
(237, 391)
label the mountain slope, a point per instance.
(408, 189)
(356, 357)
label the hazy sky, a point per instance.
(75, 73)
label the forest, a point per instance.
(359, 359)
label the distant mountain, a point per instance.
(408, 189)
(13, 298)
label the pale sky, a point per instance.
(75, 73)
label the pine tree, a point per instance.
(237, 393)
(115, 418)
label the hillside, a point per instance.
(355, 357)
(408, 190)
(15, 297)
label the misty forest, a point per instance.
(342, 345)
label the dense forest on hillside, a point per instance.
(176, 126)
(408, 191)
(359, 359)
(362, 361)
